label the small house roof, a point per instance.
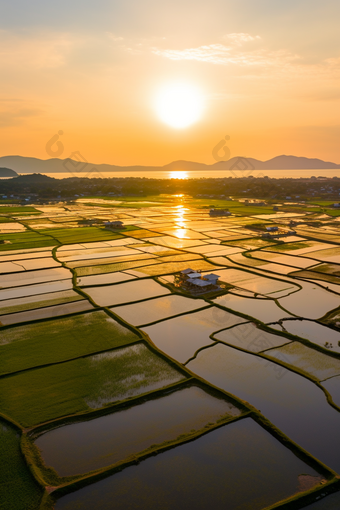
(211, 276)
(187, 271)
(199, 283)
(195, 275)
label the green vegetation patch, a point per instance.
(5, 220)
(24, 240)
(18, 490)
(290, 246)
(23, 347)
(331, 269)
(84, 384)
(81, 234)
(18, 210)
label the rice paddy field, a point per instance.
(125, 386)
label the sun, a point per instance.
(179, 105)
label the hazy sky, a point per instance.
(268, 72)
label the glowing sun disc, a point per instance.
(179, 105)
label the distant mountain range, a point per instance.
(24, 165)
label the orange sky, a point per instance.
(269, 77)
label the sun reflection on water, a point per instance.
(178, 174)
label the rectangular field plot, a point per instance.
(104, 279)
(289, 260)
(182, 336)
(49, 312)
(331, 502)
(23, 347)
(39, 263)
(173, 267)
(84, 384)
(294, 404)
(265, 310)
(35, 290)
(307, 359)
(94, 253)
(146, 312)
(249, 337)
(81, 234)
(138, 261)
(126, 292)
(34, 277)
(18, 489)
(22, 304)
(172, 242)
(256, 283)
(237, 467)
(27, 239)
(333, 386)
(311, 302)
(85, 446)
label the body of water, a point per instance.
(200, 174)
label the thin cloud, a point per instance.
(17, 116)
(220, 54)
(240, 38)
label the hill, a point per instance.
(7, 172)
(23, 165)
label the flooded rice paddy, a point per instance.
(90, 445)
(291, 402)
(182, 336)
(240, 464)
(102, 361)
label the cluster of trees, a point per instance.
(48, 187)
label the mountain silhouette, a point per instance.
(7, 172)
(26, 165)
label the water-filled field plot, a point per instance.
(35, 289)
(46, 313)
(312, 301)
(249, 337)
(182, 336)
(264, 310)
(126, 292)
(308, 360)
(119, 390)
(333, 386)
(21, 304)
(312, 331)
(89, 445)
(256, 283)
(239, 463)
(157, 309)
(34, 277)
(291, 402)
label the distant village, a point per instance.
(36, 187)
